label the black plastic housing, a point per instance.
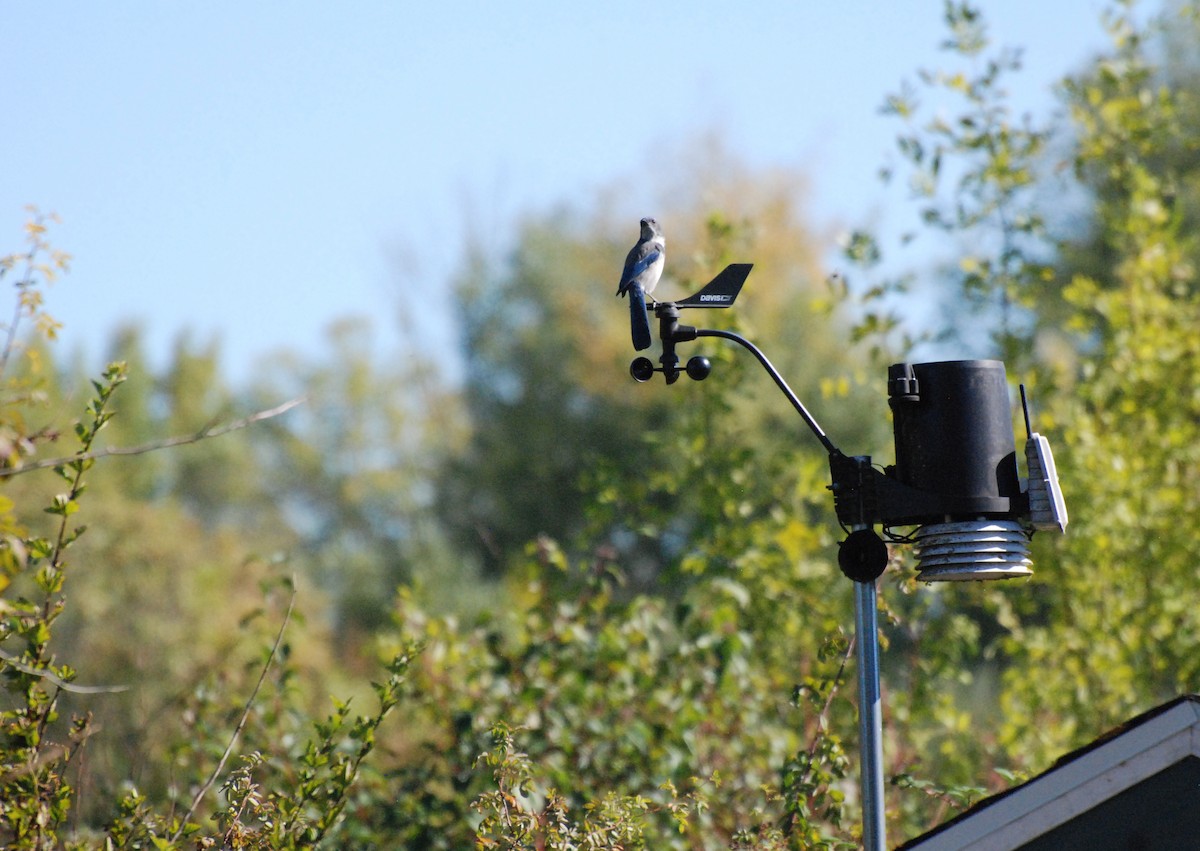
(956, 455)
(952, 422)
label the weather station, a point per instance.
(953, 493)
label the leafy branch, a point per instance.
(32, 784)
(39, 261)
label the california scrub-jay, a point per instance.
(643, 268)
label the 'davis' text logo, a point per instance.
(714, 298)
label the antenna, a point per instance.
(1025, 412)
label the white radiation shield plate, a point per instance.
(1047, 509)
(972, 551)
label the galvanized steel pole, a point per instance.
(870, 716)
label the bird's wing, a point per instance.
(646, 259)
(631, 261)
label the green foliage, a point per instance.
(616, 721)
(309, 769)
(35, 796)
(1100, 321)
(974, 170)
(277, 798)
(1127, 415)
(351, 474)
(32, 781)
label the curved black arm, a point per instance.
(783, 385)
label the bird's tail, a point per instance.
(639, 322)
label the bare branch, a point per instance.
(211, 430)
(56, 680)
(241, 724)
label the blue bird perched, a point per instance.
(643, 268)
(644, 264)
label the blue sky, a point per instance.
(252, 171)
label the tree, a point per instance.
(1099, 321)
(547, 352)
(353, 476)
(41, 763)
(1128, 411)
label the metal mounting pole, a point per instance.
(870, 716)
(870, 711)
(866, 556)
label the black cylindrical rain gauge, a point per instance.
(953, 428)
(954, 442)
